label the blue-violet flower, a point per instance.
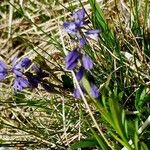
(82, 42)
(24, 63)
(20, 83)
(79, 17)
(73, 27)
(72, 59)
(39, 72)
(76, 93)
(80, 73)
(94, 91)
(93, 34)
(33, 80)
(87, 62)
(70, 27)
(3, 70)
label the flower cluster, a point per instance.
(75, 28)
(74, 56)
(23, 79)
(20, 81)
(37, 77)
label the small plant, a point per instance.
(77, 82)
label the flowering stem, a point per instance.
(88, 108)
(81, 93)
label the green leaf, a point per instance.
(2, 141)
(86, 84)
(100, 141)
(136, 138)
(100, 22)
(141, 97)
(19, 97)
(122, 142)
(104, 112)
(144, 146)
(86, 143)
(116, 114)
(124, 122)
(145, 14)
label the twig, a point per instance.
(64, 120)
(10, 19)
(145, 124)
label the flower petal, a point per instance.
(25, 62)
(70, 27)
(76, 93)
(2, 76)
(71, 65)
(94, 91)
(82, 42)
(33, 80)
(3, 70)
(3, 67)
(20, 83)
(72, 56)
(80, 73)
(79, 17)
(93, 34)
(72, 59)
(87, 62)
(17, 72)
(40, 73)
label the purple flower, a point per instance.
(25, 62)
(82, 42)
(73, 27)
(79, 21)
(72, 59)
(79, 17)
(76, 93)
(20, 83)
(17, 66)
(17, 72)
(3, 70)
(80, 73)
(94, 91)
(40, 73)
(33, 80)
(70, 27)
(87, 62)
(93, 34)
